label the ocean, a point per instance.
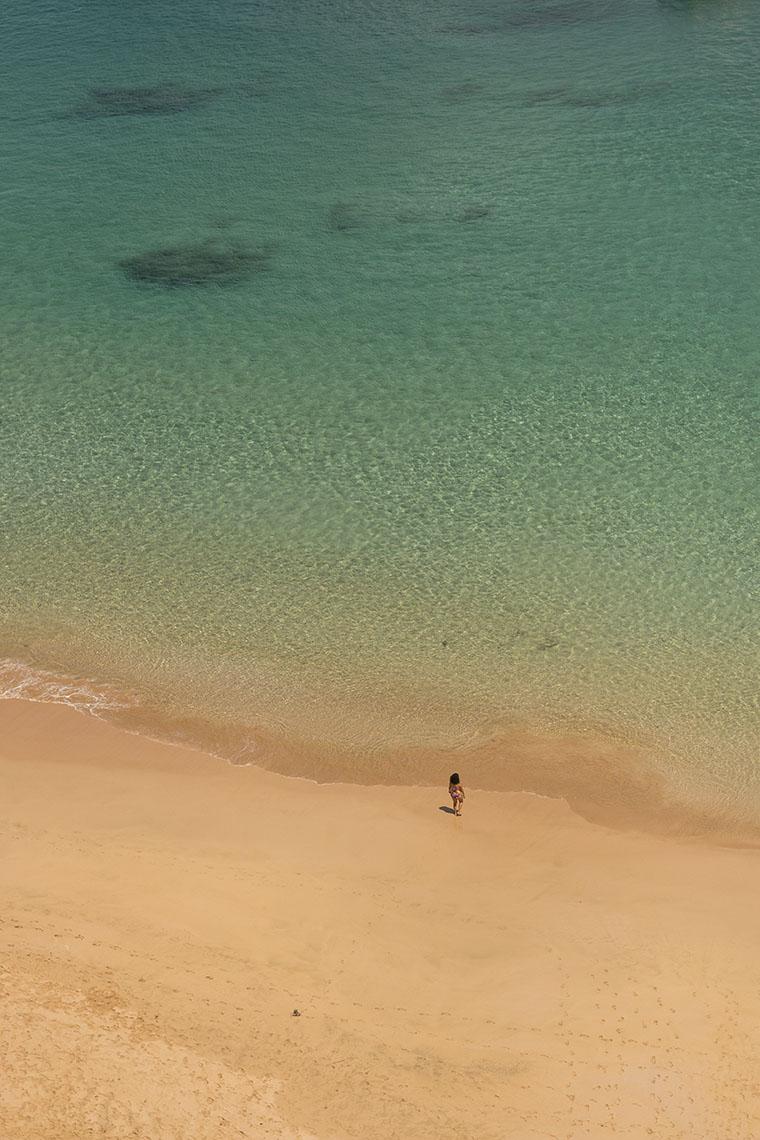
(380, 382)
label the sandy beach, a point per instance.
(521, 973)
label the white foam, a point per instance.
(20, 682)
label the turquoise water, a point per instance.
(479, 448)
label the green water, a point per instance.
(479, 448)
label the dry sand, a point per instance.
(520, 973)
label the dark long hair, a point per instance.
(454, 778)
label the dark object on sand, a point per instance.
(296, 1013)
(211, 262)
(164, 99)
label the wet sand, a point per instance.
(523, 972)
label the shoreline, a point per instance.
(600, 775)
(165, 914)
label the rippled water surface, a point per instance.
(462, 429)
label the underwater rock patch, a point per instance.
(164, 99)
(562, 14)
(565, 97)
(225, 221)
(546, 95)
(343, 217)
(210, 262)
(474, 213)
(458, 92)
(257, 88)
(411, 217)
(528, 15)
(689, 7)
(468, 29)
(548, 644)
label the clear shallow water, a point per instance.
(480, 448)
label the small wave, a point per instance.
(24, 683)
(130, 711)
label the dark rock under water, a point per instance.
(164, 99)
(211, 262)
(459, 92)
(342, 217)
(474, 213)
(566, 97)
(563, 14)
(532, 15)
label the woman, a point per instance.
(456, 791)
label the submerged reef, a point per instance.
(343, 217)
(257, 88)
(164, 99)
(210, 262)
(225, 221)
(566, 97)
(562, 14)
(528, 15)
(469, 29)
(348, 217)
(356, 216)
(546, 95)
(459, 92)
(691, 6)
(474, 213)
(412, 217)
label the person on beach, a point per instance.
(456, 791)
